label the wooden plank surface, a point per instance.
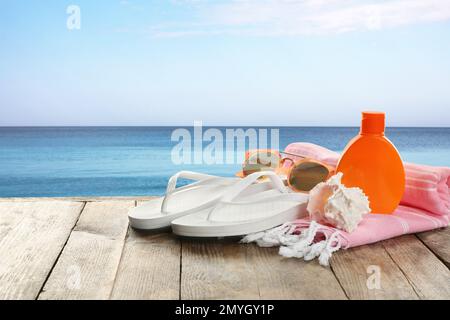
(368, 272)
(102, 258)
(88, 264)
(225, 269)
(149, 268)
(426, 273)
(150, 265)
(282, 278)
(12, 213)
(32, 237)
(438, 241)
(216, 269)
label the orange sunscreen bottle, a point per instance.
(370, 161)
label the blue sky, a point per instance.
(243, 62)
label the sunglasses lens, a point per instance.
(307, 175)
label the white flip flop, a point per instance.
(239, 212)
(194, 197)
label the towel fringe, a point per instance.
(283, 234)
(297, 245)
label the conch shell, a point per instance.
(332, 203)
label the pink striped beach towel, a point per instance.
(424, 206)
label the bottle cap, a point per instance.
(373, 122)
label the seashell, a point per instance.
(334, 204)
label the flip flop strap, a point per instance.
(190, 175)
(238, 188)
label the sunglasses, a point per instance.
(302, 174)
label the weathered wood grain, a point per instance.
(282, 278)
(438, 241)
(11, 213)
(88, 264)
(150, 267)
(104, 259)
(429, 277)
(368, 272)
(32, 237)
(216, 269)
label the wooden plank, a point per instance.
(368, 272)
(283, 278)
(228, 270)
(213, 269)
(12, 213)
(150, 267)
(438, 241)
(427, 274)
(147, 266)
(32, 238)
(88, 264)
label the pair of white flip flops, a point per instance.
(215, 206)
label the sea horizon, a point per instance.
(67, 161)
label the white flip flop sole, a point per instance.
(197, 225)
(241, 213)
(205, 193)
(150, 216)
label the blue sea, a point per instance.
(128, 161)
